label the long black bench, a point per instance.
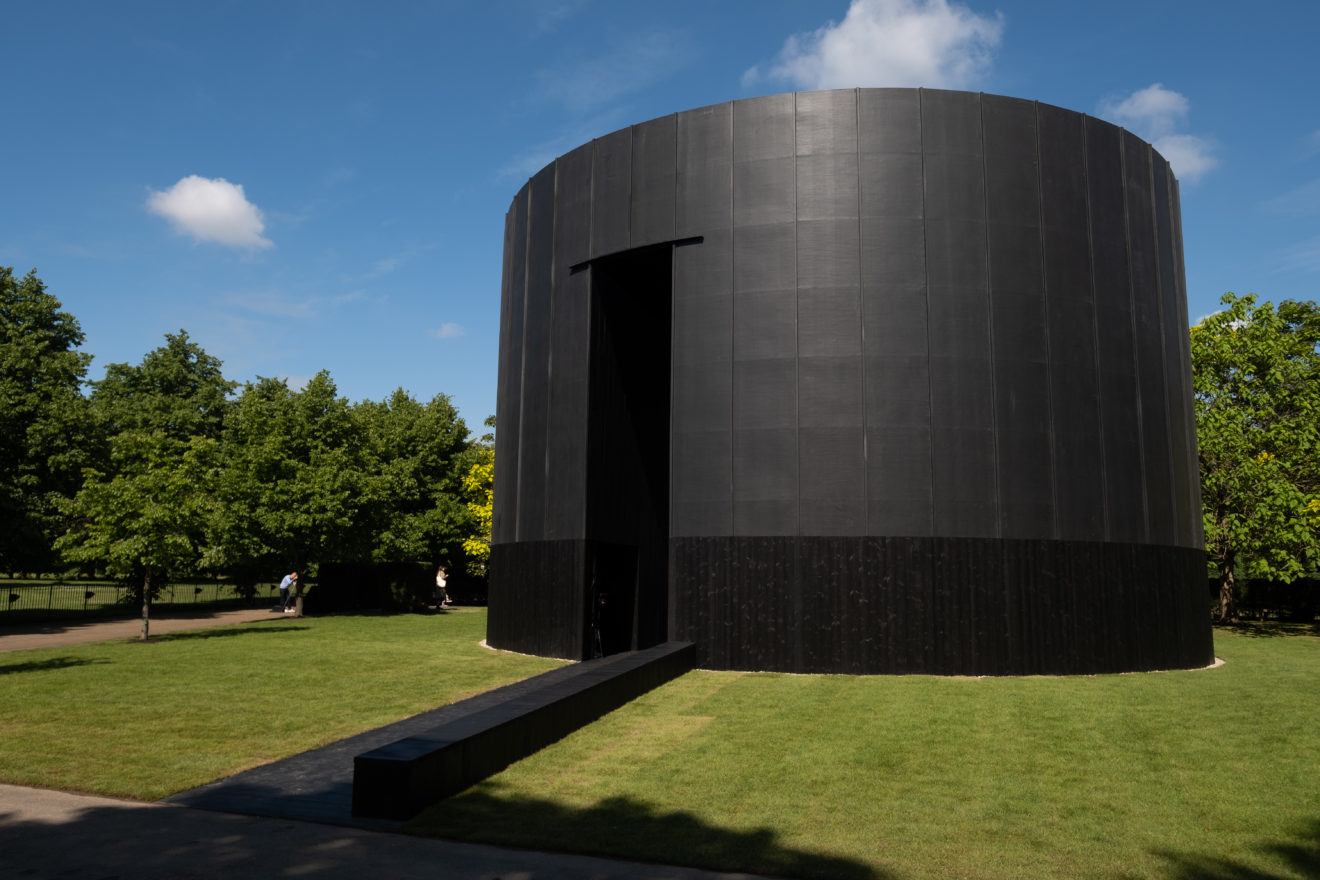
(489, 732)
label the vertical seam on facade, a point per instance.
(522, 364)
(1095, 332)
(990, 316)
(1049, 348)
(1167, 440)
(733, 318)
(673, 321)
(590, 296)
(925, 271)
(797, 402)
(861, 311)
(1136, 343)
(550, 354)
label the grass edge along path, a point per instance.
(142, 721)
(1182, 774)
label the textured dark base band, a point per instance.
(881, 605)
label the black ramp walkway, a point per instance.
(317, 786)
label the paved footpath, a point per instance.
(54, 834)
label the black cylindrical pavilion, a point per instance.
(869, 381)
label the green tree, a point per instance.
(46, 433)
(295, 487)
(418, 456)
(144, 515)
(1256, 375)
(145, 523)
(479, 492)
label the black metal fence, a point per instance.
(46, 599)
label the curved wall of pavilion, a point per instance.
(872, 381)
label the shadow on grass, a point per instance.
(44, 665)
(624, 828)
(1301, 853)
(1271, 629)
(222, 632)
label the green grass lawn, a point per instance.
(1207, 773)
(147, 720)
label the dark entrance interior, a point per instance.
(627, 524)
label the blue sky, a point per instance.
(322, 185)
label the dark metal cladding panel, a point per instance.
(701, 471)
(1125, 503)
(611, 196)
(653, 169)
(896, 375)
(703, 364)
(1019, 323)
(828, 253)
(827, 122)
(765, 325)
(508, 409)
(704, 269)
(704, 174)
(830, 416)
(765, 394)
(899, 484)
(827, 187)
(958, 309)
(1070, 303)
(764, 187)
(1151, 379)
(573, 208)
(891, 187)
(1176, 351)
(533, 430)
(765, 480)
(829, 321)
(889, 121)
(833, 480)
(950, 122)
(764, 258)
(702, 483)
(764, 128)
(566, 440)
(829, 392)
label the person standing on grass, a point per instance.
(441, 594)
(290, 581)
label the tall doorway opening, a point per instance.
(627, 528)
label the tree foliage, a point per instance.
(46, 436)
(144, 515)
(418, 454)
(1257, 383)
(479, 490)
(162, 472)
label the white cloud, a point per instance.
(1152, 111)
(930, 43)
(211, 210)
(449, 331)
(1156, 114)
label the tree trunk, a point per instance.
(1227, 591)
(146, 605)
(297, 599)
